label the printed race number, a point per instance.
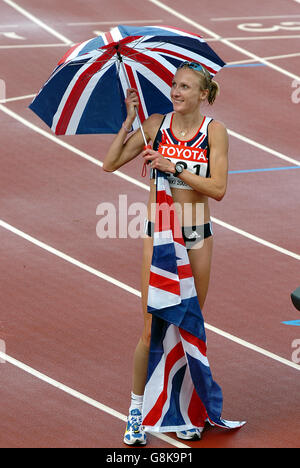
(259, 27)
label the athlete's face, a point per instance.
(186, 93)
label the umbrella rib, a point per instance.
(135, 47)
(86, 61)
(88, 75)
(131, 58)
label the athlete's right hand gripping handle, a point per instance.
(144, 170)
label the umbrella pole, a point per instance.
(136, 110)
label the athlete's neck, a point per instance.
(187, 122)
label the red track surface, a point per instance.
(79, 329)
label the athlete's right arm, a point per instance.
(123, 150)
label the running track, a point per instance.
(70, 302)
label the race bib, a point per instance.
(195, 160)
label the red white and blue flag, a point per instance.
(86, 91)
(180, 393)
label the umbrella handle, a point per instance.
(141, 128)
(144, 169)
(136, 109)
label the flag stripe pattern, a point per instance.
(180, 393)
(86, 92)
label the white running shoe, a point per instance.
(135, 434)
(191, 434)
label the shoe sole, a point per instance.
(134, 443)
(194, 437)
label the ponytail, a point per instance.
(214, 90)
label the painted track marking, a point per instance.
(236, 18)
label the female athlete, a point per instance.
(193, 150)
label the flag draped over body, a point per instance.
(180, 393)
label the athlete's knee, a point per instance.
(146, 339)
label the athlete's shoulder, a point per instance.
(217, 134)
(153, 121)
(217, 126)
(155, 118)
(152, 124)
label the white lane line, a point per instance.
(17, 98)
(262, 147)
(129, 179)
(67, 146)
(31, 46)
(115, 22)
(235, 18)
(257, 239)
(69, 259)
(80, 396)
(37, 21)
(4, 26)
(133, 291)
(254, 38)
(273, 57)
(224, 41)
(253, 347)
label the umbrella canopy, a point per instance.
(86, 92)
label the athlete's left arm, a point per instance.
(215, 186)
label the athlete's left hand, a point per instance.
(158, 161)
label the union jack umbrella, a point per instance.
(86, 92)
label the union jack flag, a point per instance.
(180, 393)
(86, 91)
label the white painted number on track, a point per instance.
(258, 27)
